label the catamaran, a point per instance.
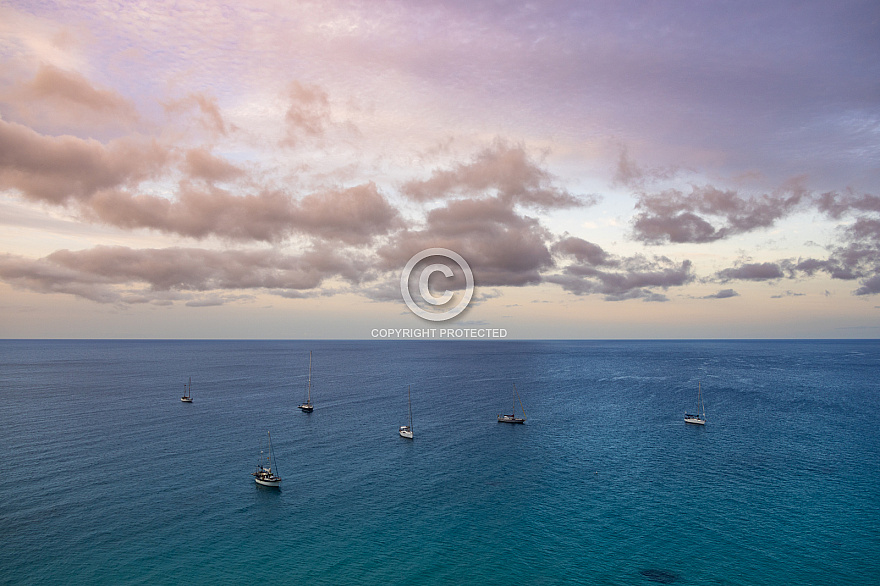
(407, 430)
(700, 417)
(307, 407)
(264, 474)
(187, 392)
(512, 418)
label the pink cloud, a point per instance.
(62, 169)
(59, 99)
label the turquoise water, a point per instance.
(106, 477)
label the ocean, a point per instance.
(106, 477)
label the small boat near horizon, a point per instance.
(512, 418)
(700, 417)
(307, 407)
(187, 392)
(265, 475)
(407, 430)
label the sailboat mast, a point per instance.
(516, 396)
(271, 453)
(409, 400)
(700, 395)
(310, 378)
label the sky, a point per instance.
(608, 170)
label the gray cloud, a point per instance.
(764, 271)
(675, 216)
(788, 294)
(870, 286)
(619, 278)
(857, 256)
(583, 251)
(723, 294)
(837, 204)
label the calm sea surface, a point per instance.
(106, 477)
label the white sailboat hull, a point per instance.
(694, 420)
(262, 482)
(406, 432)
(186, 400)
(510, 419)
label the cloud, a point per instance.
(583, 251)
(209, 118)
(354, 215)
(870, 286)
(857, 255)
(115, 274)
(58, 99)
(502, 247)
(632, 277)
(480, 217)
(629, 173)
(62, 169)
(200, 163)
(838, 204)
(308, 112)
(706, 214)
(788, 294)
(723, 294)
(675, 216)
(504, 170)
(765, 271)
(102, 182)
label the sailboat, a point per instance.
(407, 430)
(512, 418)
(307, 407)
(187, 392)
(264, 475)
(700, 417)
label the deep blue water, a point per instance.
(106, 477)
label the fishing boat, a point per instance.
(700, 417)
(187, 392)
(264, 475)
(407, 430)
(307, 407)
(512, 418)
